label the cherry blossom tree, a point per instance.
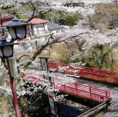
(27, 52)
(35, 8)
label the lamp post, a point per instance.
(44, 64)
(6, 51)
(17, 31)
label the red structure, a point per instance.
(7, 19)
(3, 20)
(73, 88)
(90, 73)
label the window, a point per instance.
(40, 29)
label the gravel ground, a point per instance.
(114, 95)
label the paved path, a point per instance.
(109, 87)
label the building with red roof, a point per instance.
(38, 21)
(39, 28)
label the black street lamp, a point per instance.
(17, 29)
(6, 48)
(6, 51)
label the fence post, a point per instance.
(76, 88)
(105, 76)
(64, 88)
(82, 72)
(106, 95)
(90, 92)
(92, 73)
(56, 66)
(63, 65)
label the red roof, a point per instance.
(38, 21)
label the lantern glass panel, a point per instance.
(8, 51)
(1, 55)
(20, 31)
(12, 33)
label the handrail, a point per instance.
(91, 73)
(78, 89)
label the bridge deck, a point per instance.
(78, 89)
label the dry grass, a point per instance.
(57, 52)
(5, 107)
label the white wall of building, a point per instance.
(40, 29)
(56, 31)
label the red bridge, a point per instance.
(86, 72)
(71, 87)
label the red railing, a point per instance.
(73, 88)
(86, 72)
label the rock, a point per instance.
(76, 104)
